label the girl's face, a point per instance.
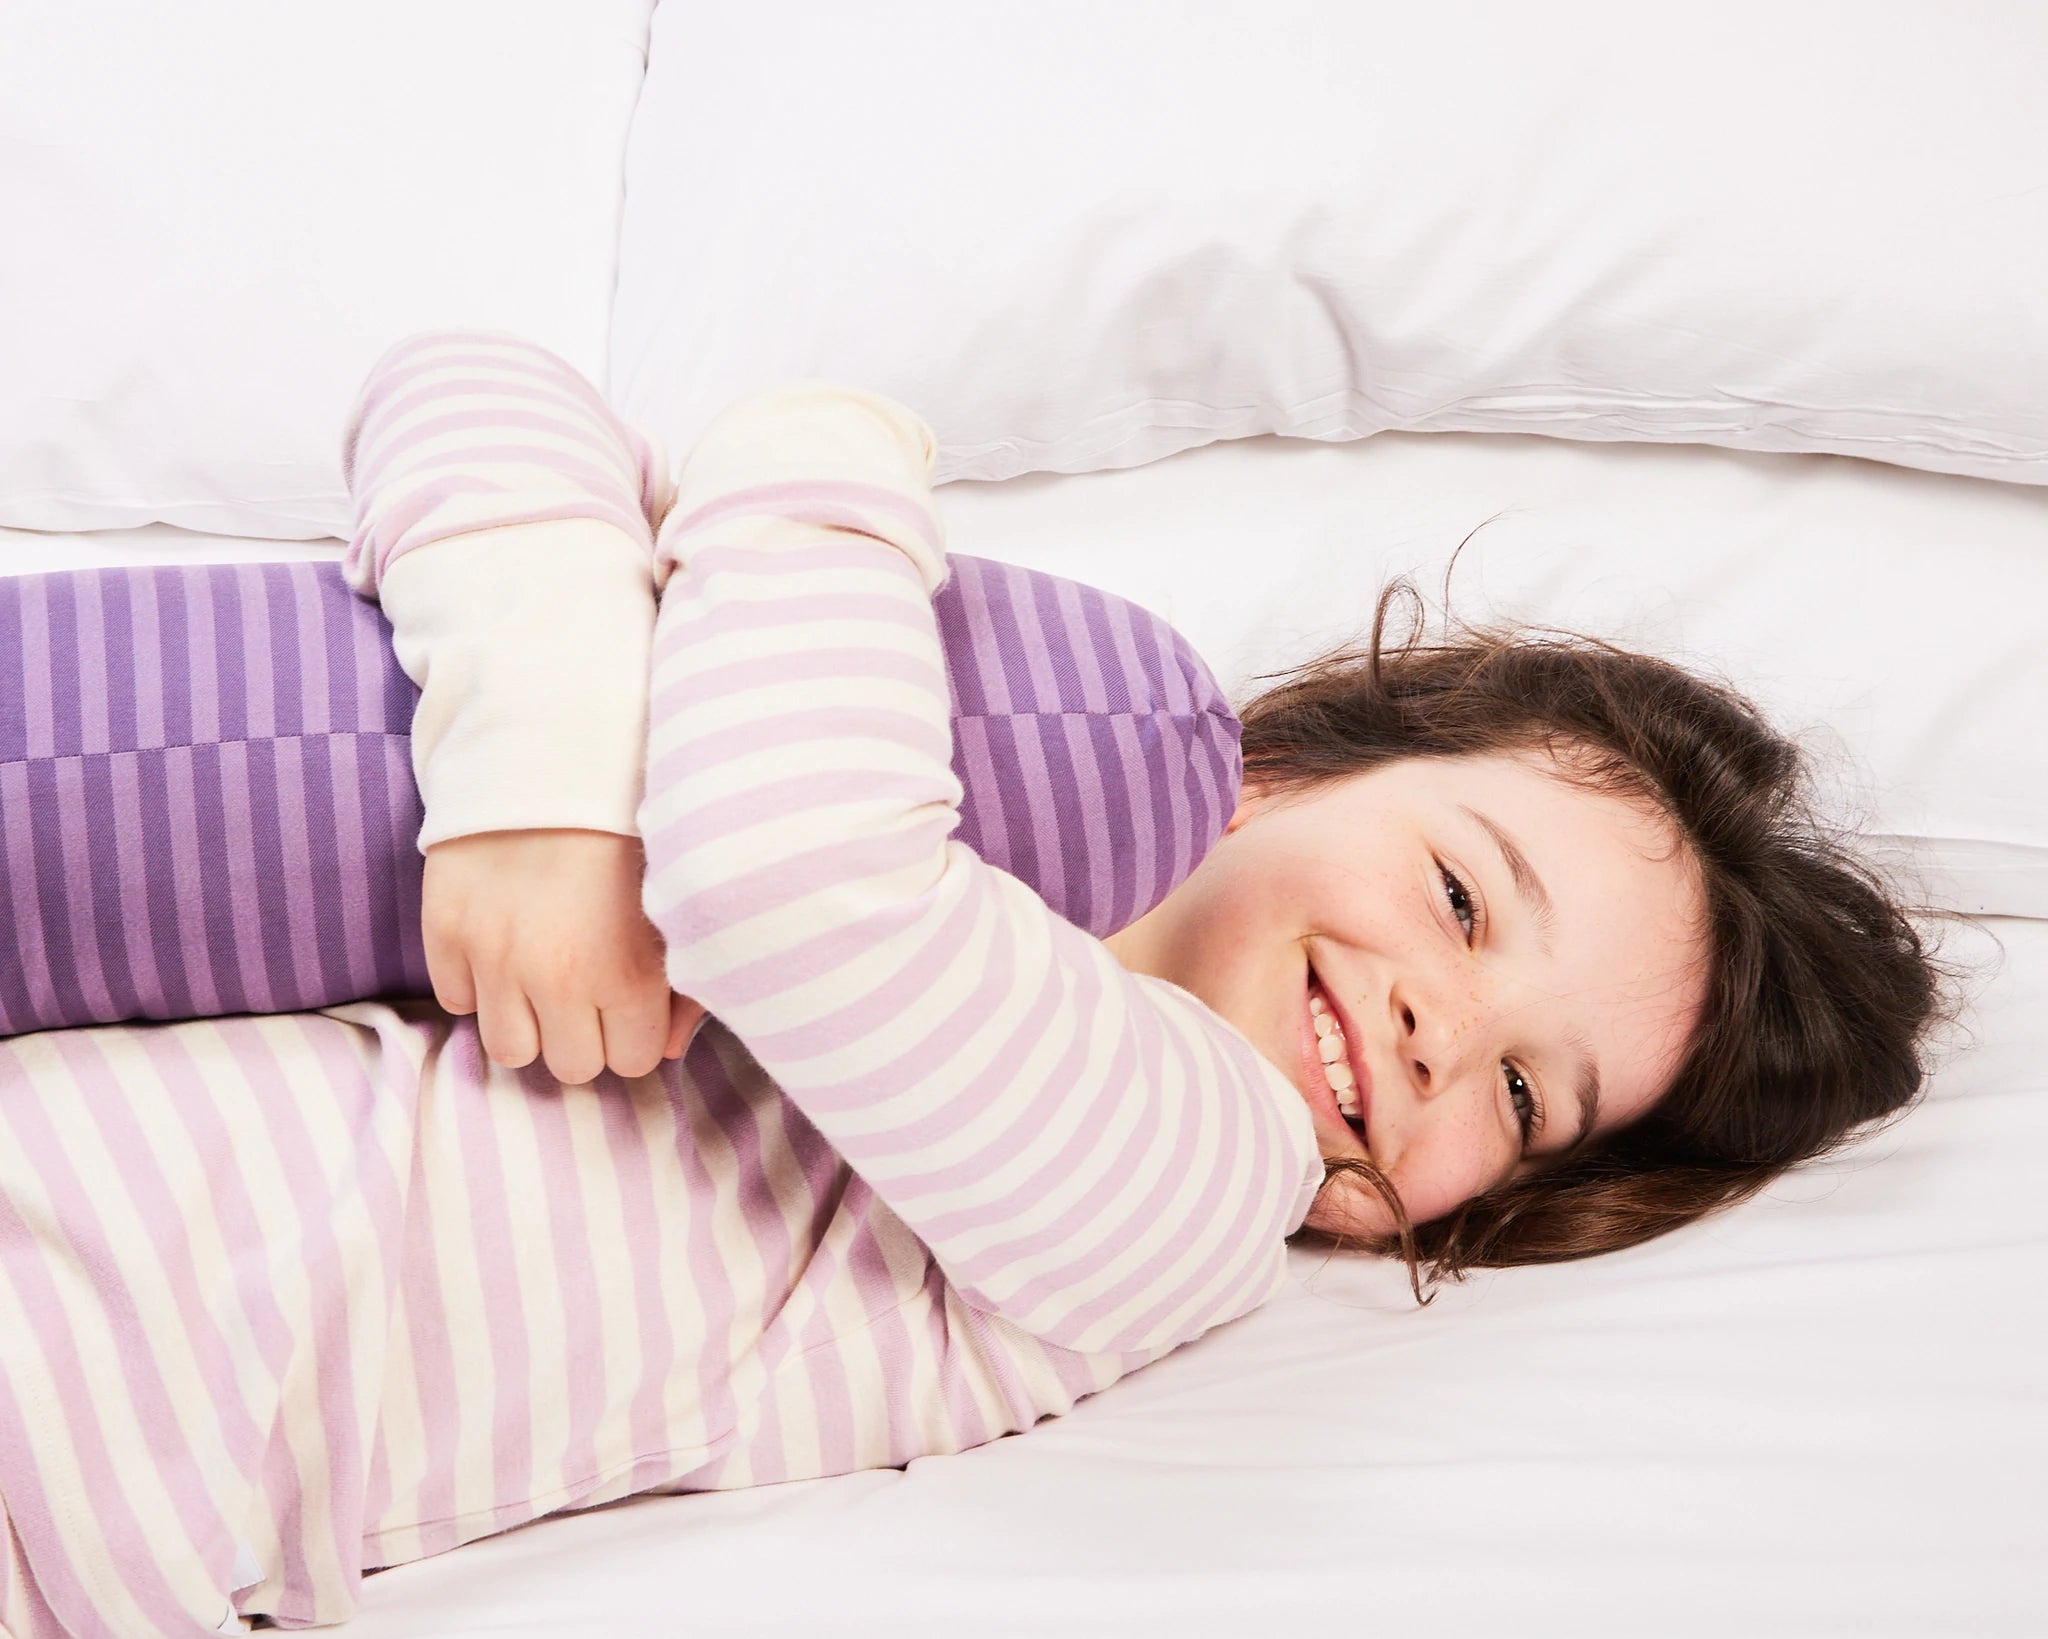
(1515, 964)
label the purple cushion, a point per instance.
(207, 802)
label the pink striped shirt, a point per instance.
(938, 1167)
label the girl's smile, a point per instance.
(1322, 1071)
(1510, 962)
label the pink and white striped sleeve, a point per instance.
(1094, 1156)
(502, 520)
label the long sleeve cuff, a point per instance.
(814, 452)
(530, 644)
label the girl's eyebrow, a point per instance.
(1527, 883)
(1588, 1091)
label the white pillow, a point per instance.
(219, 214)
(1077, 236)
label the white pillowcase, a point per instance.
(219, 214)
(1076, 236)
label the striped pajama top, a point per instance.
(321, 1293)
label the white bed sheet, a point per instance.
(1824, 1413)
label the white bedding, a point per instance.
(1821, 1414)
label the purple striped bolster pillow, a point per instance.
(207, 800)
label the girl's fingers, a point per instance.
(684, 1016)
(633, 1032)
(506, 1024)
(448, 971)
(572, 1037)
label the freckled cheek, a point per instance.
(1449, 1164)
(1466, 1008)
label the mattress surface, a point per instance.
(1822, 1413)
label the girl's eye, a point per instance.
(1461, 902)
(1528, 1108)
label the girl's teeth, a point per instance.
(1330, 1048)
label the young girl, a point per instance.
(1526, 943)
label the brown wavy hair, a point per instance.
(1821, 992)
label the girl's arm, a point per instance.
(1095, 1156)
(502, 521)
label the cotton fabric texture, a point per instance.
(293, 1297)
(1079, 237)
(209, 804)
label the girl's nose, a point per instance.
(1431, 1041)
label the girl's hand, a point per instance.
(541, 935)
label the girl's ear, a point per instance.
(1251, 797)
